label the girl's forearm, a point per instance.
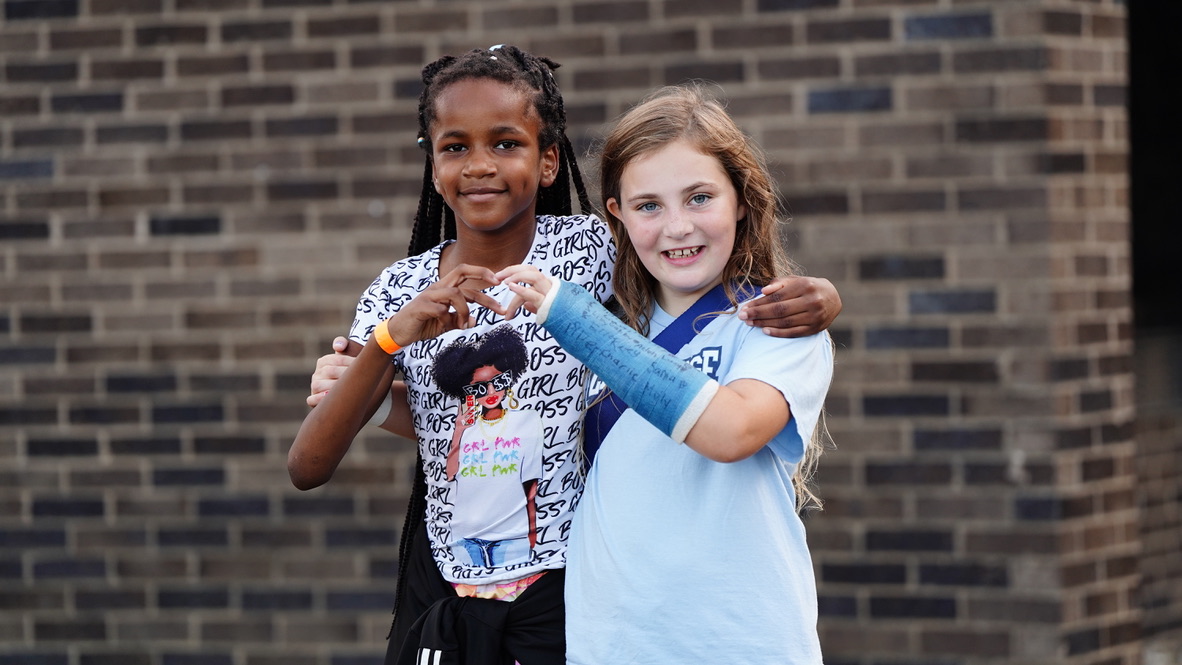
(328, 430)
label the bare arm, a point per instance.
(328, 430)
(741, 418)
(331, 367)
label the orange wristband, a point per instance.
(381, 335)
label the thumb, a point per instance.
(340, 344)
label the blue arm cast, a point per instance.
(666, 391)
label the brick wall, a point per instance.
(194, 192)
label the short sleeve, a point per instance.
(582, 252)
(801, 369)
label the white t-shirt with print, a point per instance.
(576, 249)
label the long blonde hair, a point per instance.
(688, 112)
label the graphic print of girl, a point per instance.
(495, 459)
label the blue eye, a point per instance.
(700, 199)
(647, 207)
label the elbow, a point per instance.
(305, 479)
(738, 446)
(732, 454)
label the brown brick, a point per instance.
(246, 31)
(1001, 60)
(189, 290)
(213, 65)
(126, 70)
(100, 168)
(896, 64)
(344, 26)
(134, 260)
(567, 46)
(299, 61)
(96, 353)
(171, 34)
(19, 42)
(856, 30)
(518, 18)
(124, 7)
(221, 258)
(257, 95)
(993, 644)
(218, 194)
(19, 105)
(613, 79)
(99, 228)
(52, 199)
(659, 41)
(172, 100)
(431, 20)
(623, 11)
(183, 163)
(135, 196)
(384, 55)
(85, 39)
(208, 5)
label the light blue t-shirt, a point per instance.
(675, 558)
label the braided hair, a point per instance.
(534, 76)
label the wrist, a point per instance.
(381, 335)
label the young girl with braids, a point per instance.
(686, 546)
(496, 191)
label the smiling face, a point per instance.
(680, 211)
(487, 161)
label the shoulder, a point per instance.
(571, 225)
(410, 272)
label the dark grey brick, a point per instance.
(195, 225)
(41, 72)
(907, 338)
(138, 133)
(24, 10)
(323, 506)
(863, 573)
(188, 476)
(289, 600)
(948, 26)
(256, 31)
(957, 439)
(229, 445)
(168, 35)
(104, 102)
(905, 405)
(61, 447)
(794, 5)
(68, 507)
(912, 607)
(901, 267)
(964, 574)
(909, 541)
(363, 601)
(359, 537)
(253, 506)
(25, 169)
(850, 100)
(186, 538)
(192, 598)
(70, 568)
(966, 301)
(188, 413)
